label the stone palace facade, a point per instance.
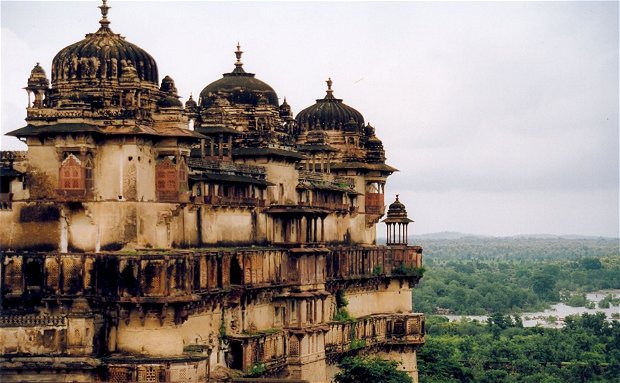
(224, 239)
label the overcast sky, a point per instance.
(501, 116)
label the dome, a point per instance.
(170, 102)
(37, 78)
(285, 110)
(330, 113)
(102, 56)
(397, 212)
(190, 103)
(239, 87)
(170, 98)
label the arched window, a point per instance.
(171, 177)
(89, 180)
(182, 166)
(167, 184)
(71, 174)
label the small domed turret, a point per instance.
(171, 99)
(397, 223)
(397, 210)
(285, 110)
(37, 78)
(374, 146)
(167, 85)
(190, 103)
(38, 85)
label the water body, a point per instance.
(559, 310)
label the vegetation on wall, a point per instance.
(342, 314)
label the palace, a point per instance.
(224, 239)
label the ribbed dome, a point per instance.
(397, 212)
(329, 113)
(239, 87)
(102, 56)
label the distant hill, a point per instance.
(447, 235)
(563, 236)
(454, 235)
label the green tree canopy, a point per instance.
(370, 370)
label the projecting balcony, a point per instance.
(264, 350)
(374, 204)
(368, 262)
(375, 330)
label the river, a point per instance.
(559, 310)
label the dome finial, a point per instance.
(238, 53)
(396, 197)
(330, 92)
(104, 14)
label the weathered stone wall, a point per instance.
(46, 335)
(30, 226)
(392, 299)
(125, 171)
(145, 334)
(226, 226)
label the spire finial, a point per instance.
(104, 14)
(329, 88)
(238, 53)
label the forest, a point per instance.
(473, 276)
(500, 278)
(586, 349)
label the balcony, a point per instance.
(375, 330)
(260, 350)
(375, 203)
(366, 262)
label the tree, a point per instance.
(591, 263)
(543, 285)
(370, 370)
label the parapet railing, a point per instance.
(373, 330)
